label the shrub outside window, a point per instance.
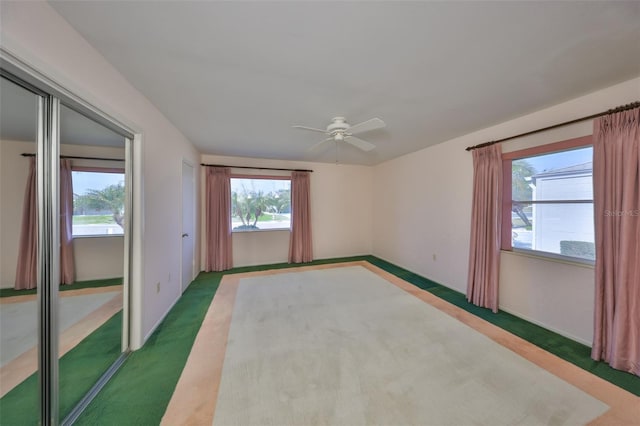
(550, 205)
(260, 203)
(98, 202)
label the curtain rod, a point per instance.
(73, 157)
(566, 123)
(257, 168)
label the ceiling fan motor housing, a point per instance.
(338, 126)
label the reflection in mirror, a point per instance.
(92, 203)
(18, 256)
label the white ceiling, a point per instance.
(235, 76)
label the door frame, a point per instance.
(189, 163)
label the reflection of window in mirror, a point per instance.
(98, 202)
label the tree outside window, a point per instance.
(260, 203)
(98, 203)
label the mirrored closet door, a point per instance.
(92, 252)
(64, 233)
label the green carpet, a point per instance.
(140, 391)
(8, 292)
(79, 369)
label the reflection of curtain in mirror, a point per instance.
(26, 272)
(67, 275)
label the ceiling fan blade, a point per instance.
(316, 146)
(359, 143)
(309, 128)
(365, 126)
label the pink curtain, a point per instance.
(218, 221)
(616, 182)
(300, 246)
(484, 251)
(26, 271)
(67, 274)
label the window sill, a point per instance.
(552, 257)
(80, 237)
(249, 231)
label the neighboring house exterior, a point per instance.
(565, 228)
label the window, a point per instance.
(260, 203)
(550, 207)
(98, 202)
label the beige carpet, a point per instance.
(345, 347)
(19, 321)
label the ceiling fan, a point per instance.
(339, 130)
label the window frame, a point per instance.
(507, 198)
(99, 169)
(260, 177)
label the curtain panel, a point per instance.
(218, 219)
(67, 266)
(616, 180)
(484, 251)
(27, 268)
(300, 242)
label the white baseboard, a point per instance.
(546, 326)
(512, 312)
(155, 326)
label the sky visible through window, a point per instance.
(559, 160)
(265, 186)
(83, 181)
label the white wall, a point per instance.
(341, 200)
(422, 207)
(95, 258)
(98, 258)
(35, 33)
